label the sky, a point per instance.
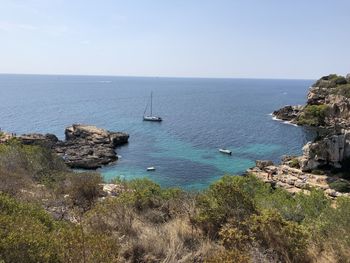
(301, 39)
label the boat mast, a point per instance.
(151, 102)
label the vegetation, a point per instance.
(313, 115)
(51, 214)
(294, 163)
(340, 186)
(343, 90)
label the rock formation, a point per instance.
(294, 180)
(86, 147)
(328, 106)
(288, 113)
(331, 150)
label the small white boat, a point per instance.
(225, 151)
(152, 168)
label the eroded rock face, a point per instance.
(86, 147)
(47, 140)
(262, 164)
(331, 150)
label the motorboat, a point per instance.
(225, 151)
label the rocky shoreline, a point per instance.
(328, 109)
(84, 147)
(293, 180)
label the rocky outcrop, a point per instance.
(294, 180)
(332, 94)
(47, 140)
(328, 105)
(86, 147)
(288, 113)
(261, 164)
(331, 150)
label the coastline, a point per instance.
(273, 117)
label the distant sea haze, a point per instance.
(199, 117)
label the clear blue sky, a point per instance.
(199, 38)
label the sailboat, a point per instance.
(151, 117)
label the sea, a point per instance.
(200, 115)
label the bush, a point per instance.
(294, 163)
(83, 189)
(313, 115)
(286, 238)
(223, 201)
(28, 234)
(343, 90)
(340, 186)
(332, 230)
(35, 162)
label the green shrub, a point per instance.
(223, 200)
(294, 163)
(36, 162)
(332, 229)
(343, 90)
(28, 234)
(313, 115)
(286, 238)
(340, 186)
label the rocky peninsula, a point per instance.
(325, 161)
(85, 146)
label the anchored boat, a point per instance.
(152, 168)
(225, 151)
(151, 117)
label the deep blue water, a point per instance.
(200, 116)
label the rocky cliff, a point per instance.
(85, 146)
(328, 106)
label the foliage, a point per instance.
(343, 90)
(340, 186)
(286, 238)
(313, 115)
(35, 162)
(237, 219)
(222, 201)
(29, 234)
(294, 163)
(83, 189)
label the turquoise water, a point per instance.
(200, 116)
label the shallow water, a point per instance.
(200, 116)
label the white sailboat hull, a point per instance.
(152, 118)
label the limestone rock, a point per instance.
(287, 113)
(332, 150)
(47, 140)
(86, 146)
(261, 164)
(89, 147)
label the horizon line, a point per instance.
(140, 76)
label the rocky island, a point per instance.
(85, 146)
(325, 161)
